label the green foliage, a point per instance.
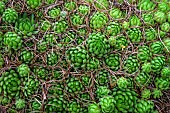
(20, 103)
(125, 99)
(98, 20)
(26, 26)
(34, 4)
(93, 108)
(131, 64)
(144, 106)
(10, 84)
(113, 61)
(107, 104)
(134, 34)
(10, 15)
(97, 45)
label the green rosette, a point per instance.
(98, 20)
(97, 45)
(12, 40)
(10, 15)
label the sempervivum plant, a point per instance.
(163, 6)
(165, 27)
(41, 72)
(102, 91)
(115, 13)
(161, 83)
(2, 7)
(146, 5)
(26, 56)
(107, 104)
(74, 85)
(10, 15)
(125, 99)
(144, 53)
(12, 40)
(113, 61)
(156, 47)
(113, 29)
(26, 26)
(83, 9)
(94, 108)
(93, 64)
(56, 89)
(165, 73)
(131, 64)
(23, 70)
(98, 20)
(119, 43)
(146, 93)
(60, 26)
(143, 79)
(71, 5)
(20, 103)
(34, 4)
(31, 85)
(134, 21)
(45, 25)
(35, 105)
(52, 58)
(97, 45)
(56, 104)
(157, 63)
(122, 83)
(76, 19)
(157, 93)
(150, 34)
(74, 107)
(134, 34)
(54, 12)
(159, 16)
(102, 77)
(148, 19)
(78, 56)
(144, 106)
(10, 84)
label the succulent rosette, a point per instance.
(144, 53)
(150, 34)
(102, 91)
(131, 64)
(97, 45)
(60, 26)
(78, 56)
(125, 99)
(54, 12)
(10, 15)
(134, 34)
(23, 70)
(26, 26)
(10, 84)
(116, 13)
(98, 20)
(20, 103)
(157, 63)
(34, 4)
(144, 106)
(84, 9)
(113, 61)
(56, 104)
(113, 29)
(159, 17)
(107, 104)
(102, 4)
(143, 79)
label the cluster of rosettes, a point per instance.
(84, 56)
